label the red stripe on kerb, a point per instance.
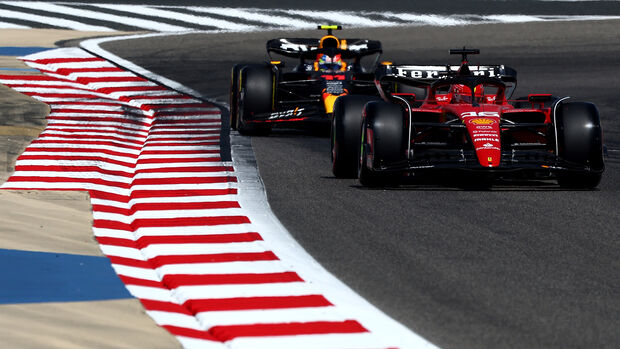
(139, 194)
(67, 71)
(30, 77)
(66, 60)
(193, 132)
(68, 141)
(179, 152)
(141, 282)
(164, 306)
(81, 150)
(170, 222)
(131, 88)
(26, 168)
(247, 303)
(50, 132)
(182, 140)
(188, 332)
(130, 262)
(95, 120)
(177, 96)
(62, 95)
(177, 160)
(88, 80)
(159, 206)
(160, 261)
(68, 180)
(178, 280)
(187, 169)
(91, 111)
(185, 180)
(216, 141)
(227, 333)
(75, 158)
(179, 106)
(99, 137)
(180, 239)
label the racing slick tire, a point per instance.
(256, 87)
(383, 141)
(579, 141)
(234, 94)
(345, 134)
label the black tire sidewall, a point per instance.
(345, 134)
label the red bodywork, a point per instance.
(481, 115)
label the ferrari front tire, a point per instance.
(580, 142)
(383, 142)
(345, 134)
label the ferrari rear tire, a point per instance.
(256, 94)
(580, 141)
(383, 142)
(345, 134)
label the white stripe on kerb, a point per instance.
(175, 319)
(283, 289)
(225, 268)
(150, 293)
(265, 316)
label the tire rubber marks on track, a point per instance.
(166, 211)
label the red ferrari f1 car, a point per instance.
(264, 94)
(433, 119)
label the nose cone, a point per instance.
(484, 133)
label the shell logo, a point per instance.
(482, 121)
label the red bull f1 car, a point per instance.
(433, 119)
(264, 94)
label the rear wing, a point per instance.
(431, 73)
(422, 76)
(296, 47)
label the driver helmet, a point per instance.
(328, 63)
(329, 41)
(460, 93)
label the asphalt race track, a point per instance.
(524, 265)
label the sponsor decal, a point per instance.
(433, 72)
(289, 46)
(418, 74)
(358, 47)
(442, 98)
(480, 114)
(334, 87)
(488, 146)
(486, 139)
(482, 121)
(286, 114)
(489, 134)
(490, 99)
